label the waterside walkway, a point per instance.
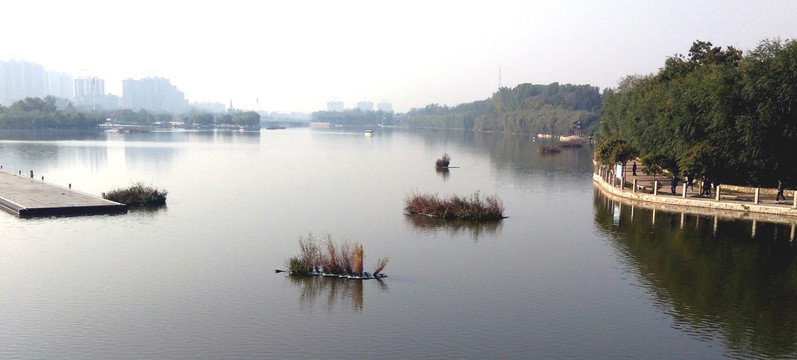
(26, 197)
(725, 198)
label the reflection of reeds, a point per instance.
(334, 289)
(443, 171)
(548, 149)
(475, 228)
(571, 142)
(341, 260)
(456, 207)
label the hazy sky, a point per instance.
(297, 55)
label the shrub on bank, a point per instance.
(137, 195)
(476, 208)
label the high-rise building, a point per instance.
(385, 106)
(21, 79)
(89, 91)
(335, 105)
(58, 84)
(365, 105)
(153, 94)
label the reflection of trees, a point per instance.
(520, 151)
(476, 229)
(732, 281)
(334, 289)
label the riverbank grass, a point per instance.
(137, 194)
(476, 208)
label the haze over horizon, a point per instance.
(297, 56)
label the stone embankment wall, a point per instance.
(722, 204)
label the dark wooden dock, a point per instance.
(26, 197)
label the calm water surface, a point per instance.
(570, 274)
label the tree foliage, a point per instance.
(525, 109)
(354, 117)
(714, 112)
(37, 113)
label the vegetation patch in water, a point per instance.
(326, 258)
(443, 161)
(137, 194)
(475, 207)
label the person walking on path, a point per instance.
(780, 192)
(706, 187)
(633, 169)
(673, 184)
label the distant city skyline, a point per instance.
(297, 56)
(23, 79)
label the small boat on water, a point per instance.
(369, 132)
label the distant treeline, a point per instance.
(355, 117)
(36, 113)
(525, 109)
(714, 112)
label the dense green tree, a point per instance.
(714, 112)
(200, 118)
(37, 113)
(246, 118)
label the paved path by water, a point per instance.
(28, 197)
(729, 200)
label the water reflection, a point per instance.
(707, 277)
(475, 229)
(52, 135)
(442, 172)
(331, 291)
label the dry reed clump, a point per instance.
(443, 161)
(137, 194)
(329, 258)
(456, 207)
(380, 265)
(357, 259)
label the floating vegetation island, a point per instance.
(442, 162)
(475, 208)
(137, 194)
(548, 149)
(344, 261)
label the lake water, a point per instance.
(569, 274)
